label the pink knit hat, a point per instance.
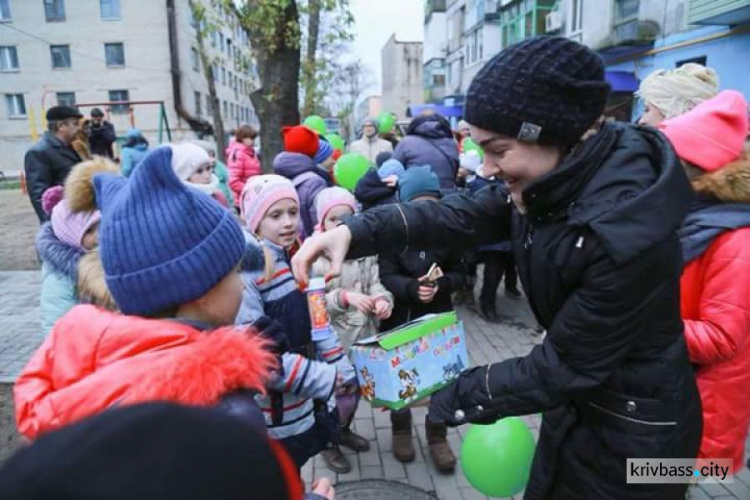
(262, 191)
(330, 198)
(713, 133)
(70, 227)
(51, 197)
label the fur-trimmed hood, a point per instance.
(728, 184)
(92, 286)
(62, 258)
(79, 188)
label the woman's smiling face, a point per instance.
(515, 162)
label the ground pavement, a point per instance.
(19, 336)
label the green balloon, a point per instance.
(349, 169)
(386, 121)
(316, 123)
(496, 459)
(336, 141)
(470, 145)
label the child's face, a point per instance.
(202, 174)
(91, 238)
(280, 225)
(334, 216)
(249, 142)
(221, 304)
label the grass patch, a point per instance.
(10, 184)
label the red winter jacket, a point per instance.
(715, 306)
(242, 164)
(94, 359)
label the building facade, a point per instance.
(637, 37)
(94, 52)
(401, 76)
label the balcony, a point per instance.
(721, 12)
(433, 6)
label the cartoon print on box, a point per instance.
(368, 388)
(400, 367)
(410, 381)
(451, 371)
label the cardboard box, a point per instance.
(398, 368)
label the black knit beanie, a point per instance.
(155, 451)
(548, 90)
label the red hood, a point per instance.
(94, 359)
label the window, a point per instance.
(577, 16)
(8, 58)
(110, 9)
(198, 101)
(15, 105)
(226, 109)
(213, 38)
(223, 76)
(114, 53)
(5, 10)
(195, 59)
(54, 10)
(60, 56)
(232, 114)
(702, 60)
(119, 96)
(66, 99)
(229, 47)
(209, 107)
(626, 10)
(221, 42)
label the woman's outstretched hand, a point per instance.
(334, 244)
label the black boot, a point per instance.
(489, 313)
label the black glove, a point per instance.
(465, 400)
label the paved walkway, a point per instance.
(19, 336)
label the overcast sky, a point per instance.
(376, 21)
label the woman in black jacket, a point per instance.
(599, 258)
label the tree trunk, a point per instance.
(208, 70)
(277, 99)
(308, 68)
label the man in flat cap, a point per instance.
(50, 160)
(101, 134)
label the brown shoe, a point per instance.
(336, 460)
(353, 441)
(440, 450)
(403, 448)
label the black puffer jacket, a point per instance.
(399, 274)
(600, 261)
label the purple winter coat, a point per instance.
(429, 141)
(308, 180)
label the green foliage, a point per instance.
(267, 23)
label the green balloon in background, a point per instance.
(336, 141)
(316, 123)
(349, 169)
(470, 145)
(496, 459)
(386, 121)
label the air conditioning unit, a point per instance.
(553, 21)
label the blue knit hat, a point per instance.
(161, 243)
(418, 181)
(390, 167)
(325, 150)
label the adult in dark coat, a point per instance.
(101, 134)
(599, 257)
(429, 141)
(49, 161)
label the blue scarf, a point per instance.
(706, 221)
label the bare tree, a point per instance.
(204, 27)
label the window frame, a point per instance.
(195, 59)
(65, 102)
(60, 11)
(616, 21)
(8, 107)
(119, 109)
(6, 4)
(118, 16)
(9, 49)
(106, 54)
(198, 103)
(52, 57)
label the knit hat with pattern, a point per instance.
(262, 191)
(548, 90)
(161, 243)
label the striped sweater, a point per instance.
(310, 365)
